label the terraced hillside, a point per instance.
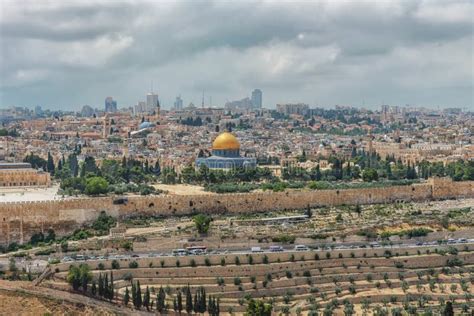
(335, 281)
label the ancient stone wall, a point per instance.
(18, 221)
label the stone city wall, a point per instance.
(18, 221)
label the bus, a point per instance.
(197, 250)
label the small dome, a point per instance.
(225, 141)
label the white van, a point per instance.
(301, 248)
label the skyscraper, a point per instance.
(152, 103)
(178, 104)
(257, 99)
(110, 105)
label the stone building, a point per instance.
(22, 174)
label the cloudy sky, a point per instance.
(64, 54)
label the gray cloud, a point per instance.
(66, 54)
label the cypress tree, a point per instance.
(50, 164)
(111, 287)
(146, 299)
(106, 287)
(126, 297)
(94, 288)
(101, 285)
(134, 295)
(196, 302)
(180, 301)
(189, 300)
(139, 295)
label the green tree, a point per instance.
(96, 186)
(79, 276)
(258, 308)
(202, 223)
(370, 175)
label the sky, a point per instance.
(65, 54)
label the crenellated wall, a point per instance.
(18, 221)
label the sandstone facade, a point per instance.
(18, 221)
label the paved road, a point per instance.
(285, 248)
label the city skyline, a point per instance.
(65, 56)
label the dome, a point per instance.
(145, 125)
(225, 141)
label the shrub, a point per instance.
(328, 255)
(237, 281)
(399, 265)
(192, 263)
(316, 256)
(220, 281)
(101, 266)
(285, 239)
(222, 261)
(288, 274)
(178, 264)
(133, 265)
(237, 261)
(115, 265)
(250, 260)
(307, 273)
(265, 259)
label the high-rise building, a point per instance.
(257, 99)
(110, 105)
(178, 104)
(152, 104)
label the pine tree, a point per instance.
(126, 297)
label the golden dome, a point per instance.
(225, 141)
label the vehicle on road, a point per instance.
(276, 248)
(179, 252)
(301, 248)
